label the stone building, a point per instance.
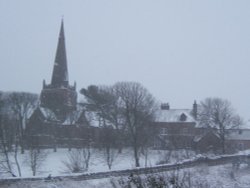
(59, 120)
(59, 96)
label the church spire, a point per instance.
(59, 96)
(60, 70)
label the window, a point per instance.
(183, 117)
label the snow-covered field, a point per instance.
(222, 176)
(54, 162)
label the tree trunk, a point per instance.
(16, 161)
(137, 160)
(223, 145)
(120, 149)
(21, 118)
(146, 156)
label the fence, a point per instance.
(220, 160)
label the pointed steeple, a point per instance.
(60, 70)
(59, 96)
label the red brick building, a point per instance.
(179, 128)
(176, 127)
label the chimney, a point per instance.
(165, 106)
(195, 110)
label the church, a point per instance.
(58, 120)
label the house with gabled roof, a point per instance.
(176, 127)
(179, 128)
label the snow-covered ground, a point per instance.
(197, 177)
(54, 162)
(202, 176)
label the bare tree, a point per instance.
(108, 138)
(86, 151)
(137, 108)
(35, 159)
(5, 163)
(165, 157)
(14, 112)
(110, 156)
(7, 135)
(21, 104)
(127, 107)
(74, 163)
(218, 114)
(7, 121)
(16, 145)
(78, 160)
(103, 101)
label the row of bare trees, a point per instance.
(129, 109)
(125, 112)
(15, 108)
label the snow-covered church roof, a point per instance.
(74, 116)
(48, 114)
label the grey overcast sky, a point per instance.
(180, 50)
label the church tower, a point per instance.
(59, 96)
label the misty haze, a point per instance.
(125, 94)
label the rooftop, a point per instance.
(174, 115)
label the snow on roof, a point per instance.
(48, 114)
(174, 115)
(74, 116)
(198, 137)
(95, 123)
(241, 134)
(93, 119)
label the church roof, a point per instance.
(48, 114)
(74, 116)
(174, 115)
(60, 70)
